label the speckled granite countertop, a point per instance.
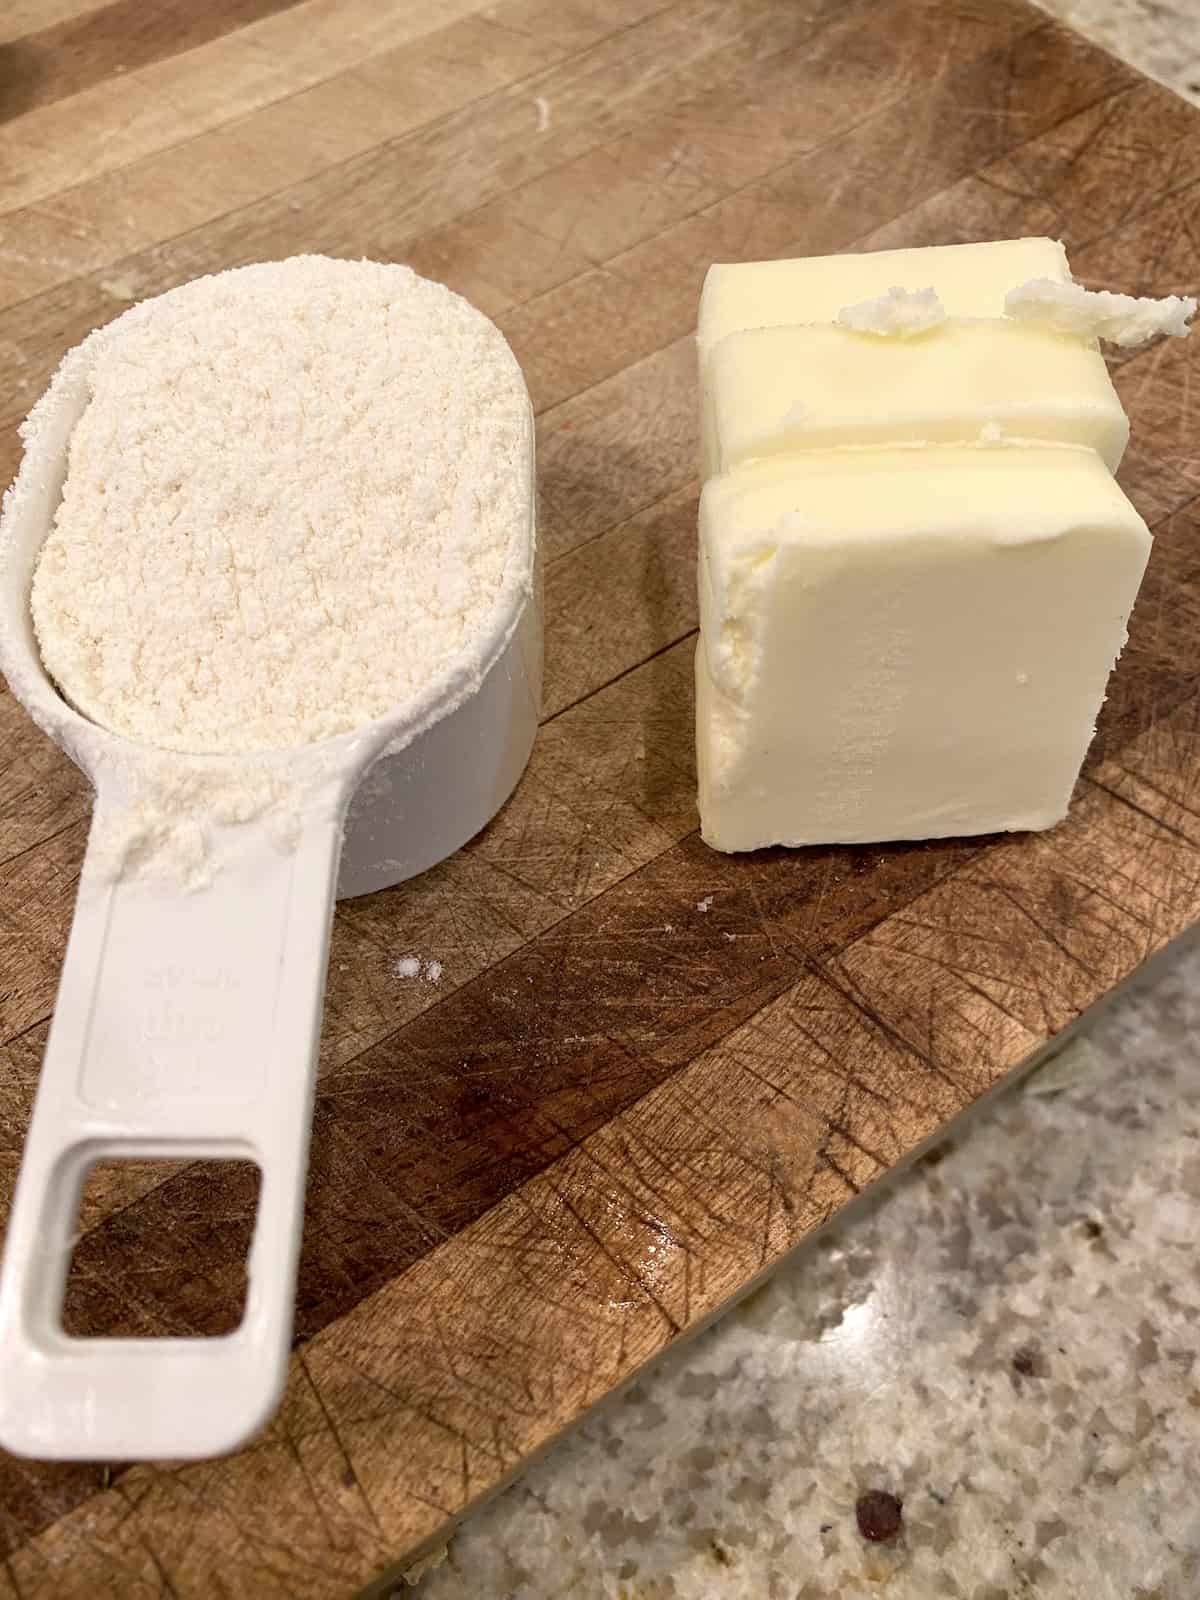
(1160, 37)
(1003, 1338)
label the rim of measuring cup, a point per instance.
(28, 513)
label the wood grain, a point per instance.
(125, 116)
(98, 222)
(24, 17)
(71, 55)
(648, 1071)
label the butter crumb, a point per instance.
(900, 313)
(407, 967)
(1121, 319)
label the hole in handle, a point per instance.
(160, 1248)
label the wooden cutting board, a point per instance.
(648, 1071)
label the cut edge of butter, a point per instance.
(1125, 320)
(898, 314)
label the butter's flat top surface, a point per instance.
(971, 280)
(1006, 493)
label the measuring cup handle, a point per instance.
(187, 1025)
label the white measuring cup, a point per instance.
(187, 1022)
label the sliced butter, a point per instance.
(772, 391)
(905, 644)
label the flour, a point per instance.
(294, 502)
(412, 967)
(173, 804)
(1121, 319)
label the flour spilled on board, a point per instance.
(428, 969)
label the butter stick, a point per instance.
(916, 567)
(905, 644)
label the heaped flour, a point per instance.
(293, 502)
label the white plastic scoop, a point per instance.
(187, 1023)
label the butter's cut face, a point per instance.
(905, 644)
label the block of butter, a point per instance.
(916, 567)
(905, 644)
